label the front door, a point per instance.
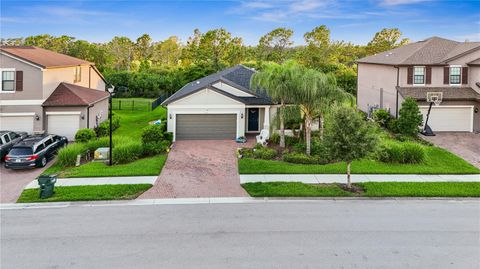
(253, 116)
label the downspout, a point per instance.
(88, 115)
(89, 75)
(396, 89)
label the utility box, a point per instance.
(101, 154)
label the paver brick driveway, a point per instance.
(465, 145)
(205, 168)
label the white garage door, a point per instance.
(449, 118)
(66, 125)
(17, 123)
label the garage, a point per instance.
(19, 123)
(449, 118)
(205, 126)
(63, 124)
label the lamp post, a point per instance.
(110, 91)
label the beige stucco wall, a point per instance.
(100, 108)
(372, 77)
(437, 77)
(32, 80)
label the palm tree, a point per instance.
(316, 93)
(278, 81)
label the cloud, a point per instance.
(67, 12)
(469, 37)
(400, 2)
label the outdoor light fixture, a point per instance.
(82, 117)
(241, 115)
(37, 117)
(170, 116)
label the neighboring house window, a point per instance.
(78, 74)
(8, 80)
(455, 75)
(419, 75)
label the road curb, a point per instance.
(219, 200)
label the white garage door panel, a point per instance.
(449, 118)
(66, 125)
(17, 123)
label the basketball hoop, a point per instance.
(435, 98)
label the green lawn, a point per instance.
(438, 161)
(371, 189)
(87, 193)
(143, 167)
(132, 122)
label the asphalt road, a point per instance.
(316, 234)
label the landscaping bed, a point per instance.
(368, 189)
(87, 193)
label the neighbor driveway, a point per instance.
(12, 182)
(465, 145)
(200, 168)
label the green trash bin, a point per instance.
(47, 184)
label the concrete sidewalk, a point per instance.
(336, 178)
(81, 181)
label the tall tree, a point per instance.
(349, 137)
(122, 49)
(278, 81)
(386, 39)
(143, 48)
(273, 45)
(316, 92)
(167, 52)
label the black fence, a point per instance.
(137, 104)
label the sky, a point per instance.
(353, 21)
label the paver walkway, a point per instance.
(88, 181)
(206, 168)
(335, 178)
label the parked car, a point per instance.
(34, 151)
(8, 139)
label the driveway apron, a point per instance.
(200, 168)
(465, 145)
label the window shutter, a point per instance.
(19, 81)
(464, 75)
(410, 75)
(428, 74)
(446, 75)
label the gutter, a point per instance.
(396, 89)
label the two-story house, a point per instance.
(444, 67)
(44, 91)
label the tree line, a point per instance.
(148, 68)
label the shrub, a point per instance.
(93, 145)
(103, 129)
(296, 157)
(413, 153)
(264, 153)
(289, 140)
(150, 149)
(246, 152)
(125, 153)
(168, 136)
(67, 156)
(409, 118)
(392, 125)
(407, 152)
(85, 134)
(152, 134)
(274, 138)
(381, 116)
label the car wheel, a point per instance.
(43, 161)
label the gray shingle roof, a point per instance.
(237, 76)
(449, 93)
(432, 51)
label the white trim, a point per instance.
(204, 90)
(472, 109)
(424, 76)
(205, 106)
(259, 106)
(20, 114)
(21, 102)
(174, 119)
(14, 79)
(21, 60)
(63, 113)
(450, 74)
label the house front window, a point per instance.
(78, 74)
(455, 75)
(419, 75)
(8, 81)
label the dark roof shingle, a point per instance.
(432, 51)
(73, 95)
(449, 93)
